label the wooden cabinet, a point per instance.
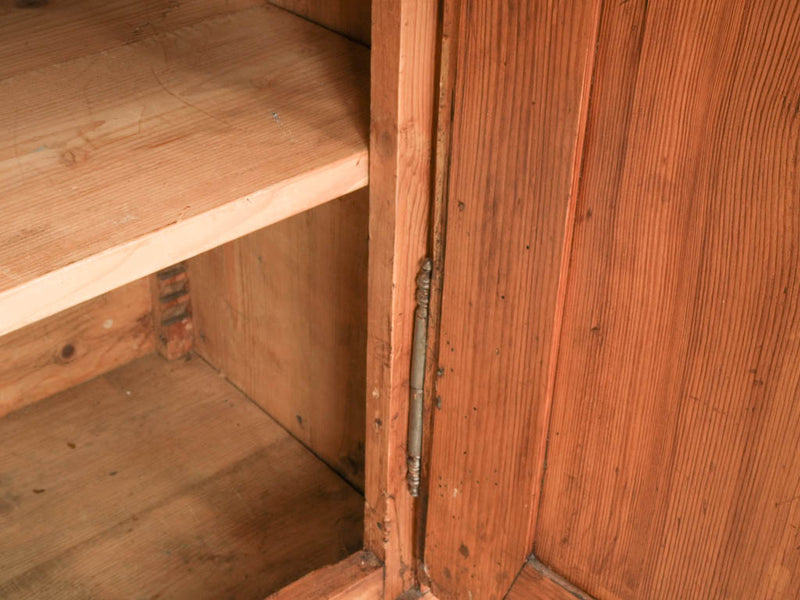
(184, 275)
(207, 318)
(619, 326)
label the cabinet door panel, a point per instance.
(673, 467)
(522, 75)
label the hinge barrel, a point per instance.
(417, 378)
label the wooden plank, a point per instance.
(401, 146)
(162, 479)
(35, 37)
(673, 459)
(537, 582)
(508, 226)
(348, 17)
(304, 281)
(75, 345)
(448, 44)
(532, 585)
(160, 149)
(358, 577)
(282, 312)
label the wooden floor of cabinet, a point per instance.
(162, 480)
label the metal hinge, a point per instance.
(417, 378)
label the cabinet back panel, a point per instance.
(282, 313)
(673, 467)
(348, 17)
(75, 345)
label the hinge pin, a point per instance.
(417, 378)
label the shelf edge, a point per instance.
(58, 290)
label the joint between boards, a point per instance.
(172, 312)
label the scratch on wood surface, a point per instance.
(184, 101)
(6, 272)
(127, 218)
(183, 212)
(277, 118)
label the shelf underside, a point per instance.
(130, 141)
(160, 479)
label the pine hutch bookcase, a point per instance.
(352, 299)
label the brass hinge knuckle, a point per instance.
(417, 378)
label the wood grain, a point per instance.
(448, 44)
(673, 462)
(536, 582)
(162, 479)
(348, 17)
(75, 345)
(58, 31)
(519, 94)
(166, 147)
(358, 577)
(403, 56)
(282, 312)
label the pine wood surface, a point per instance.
(348, 17)
(403, 59)
(672, 468)
(75, 345)
(448, 44)
(160, 479)
(282, 312)
(358, 577)
(521, 82)
(58, 31)
(532, 585)
(119, 163)
(537, 582)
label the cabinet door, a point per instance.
(621, 306)
(521, 73)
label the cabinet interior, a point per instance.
(183, 271)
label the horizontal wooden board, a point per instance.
(160, 479)
(358, 577)
(116, 164)
(38, 34)
(75, 345)
(282, 313)
(536, 582)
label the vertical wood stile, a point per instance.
(521, 73)
(447, 48)
(403, 78)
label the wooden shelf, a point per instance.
(162, 140)
(160, 479)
